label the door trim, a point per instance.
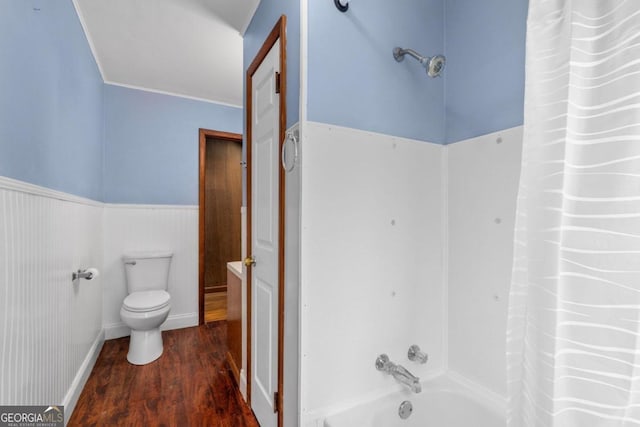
(277, 33)
(203, 134)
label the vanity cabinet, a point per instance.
(234, 317)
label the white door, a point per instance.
(265, 148)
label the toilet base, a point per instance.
(144, 346)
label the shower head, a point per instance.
(434, 64)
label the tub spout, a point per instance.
(400, 373)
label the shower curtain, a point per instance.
(573, 347)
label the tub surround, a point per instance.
(482, 178)
(404, 202)
(379, 207)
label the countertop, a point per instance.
(235, 267)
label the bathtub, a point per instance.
(443, 402)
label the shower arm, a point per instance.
(432, 64)
(399, 53)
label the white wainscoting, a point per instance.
(151, 227)
(371, 262)
(483, 185)
(50, 328)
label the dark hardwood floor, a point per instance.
(190, 385)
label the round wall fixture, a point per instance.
(405, 409)
(342, 5)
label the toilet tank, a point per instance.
(147, 271)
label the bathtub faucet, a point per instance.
(400, 373)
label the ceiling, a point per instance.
(191, 48)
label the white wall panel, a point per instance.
(50, 328)
(483, 176)
(151, 227)
(371, 262)
(291, 294)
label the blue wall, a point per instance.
(485, 49)
(57, 117)
(354, 80)
(261, 25)
(151, 145)
(51, 96)
(61, 127)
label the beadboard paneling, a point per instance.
(49, 326)
(151, 227)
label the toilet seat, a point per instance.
(144, 301)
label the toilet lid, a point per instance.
(146, 300)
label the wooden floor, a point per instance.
(215, 306)
(190, 385)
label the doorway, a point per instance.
(220, 218)
(266, 94)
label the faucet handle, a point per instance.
(382, 363)
(416, 355)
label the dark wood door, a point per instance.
(222, 202)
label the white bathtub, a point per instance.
(443, 402)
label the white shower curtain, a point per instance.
(573, 338)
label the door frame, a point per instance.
(203, 135)
(277, 33)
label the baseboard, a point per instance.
(73, 394)
(180, 321)
(176, 321)
(243, 384)
(215, 289)
(234, 369)
(116, 330)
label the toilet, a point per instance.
(148, 304)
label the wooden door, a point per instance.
(220, 197)
(223, 200)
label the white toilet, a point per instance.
(147, 305)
